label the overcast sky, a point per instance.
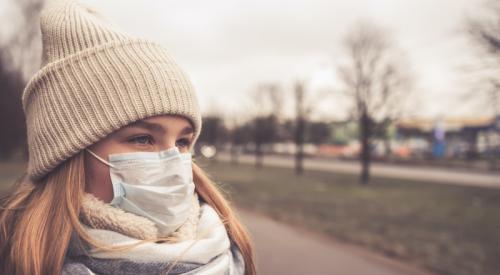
(228, 47)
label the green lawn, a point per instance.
(452, 230)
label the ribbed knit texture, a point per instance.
(96, 79)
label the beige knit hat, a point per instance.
(94, 80)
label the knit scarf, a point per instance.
(200, 246)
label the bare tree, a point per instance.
(239, 133)
(375, 79)
(267, 101)
(484, 32)
(302, 111)
(305, 100)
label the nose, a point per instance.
(167, 143)
(171, 140)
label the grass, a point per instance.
(449, 230)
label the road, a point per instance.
(435, 175)
(282, 249)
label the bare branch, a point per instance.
(373, 77)
(485, 33)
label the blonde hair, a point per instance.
(38, 218)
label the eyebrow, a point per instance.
(158, 127)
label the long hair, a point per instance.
(38, 218)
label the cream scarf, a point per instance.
(202, 244)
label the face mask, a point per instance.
(155, 185)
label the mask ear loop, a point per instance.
(99, 158)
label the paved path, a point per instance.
(435, 175)
(282, 249)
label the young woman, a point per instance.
(111, 187)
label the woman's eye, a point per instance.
(183, 142)
(142, 140)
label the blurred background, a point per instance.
(355, 137)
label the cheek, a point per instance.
(97, 179)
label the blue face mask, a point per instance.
(155, 185)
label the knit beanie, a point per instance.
(94, 80)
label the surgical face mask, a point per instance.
(155, 185)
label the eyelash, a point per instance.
(186, 141)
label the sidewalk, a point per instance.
(434, 175)
(282, 249)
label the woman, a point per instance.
(110, 186)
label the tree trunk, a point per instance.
(234, 154)
(387, 148)
(299, 144)
(492, 152)
(258, 156)
(365, 133)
